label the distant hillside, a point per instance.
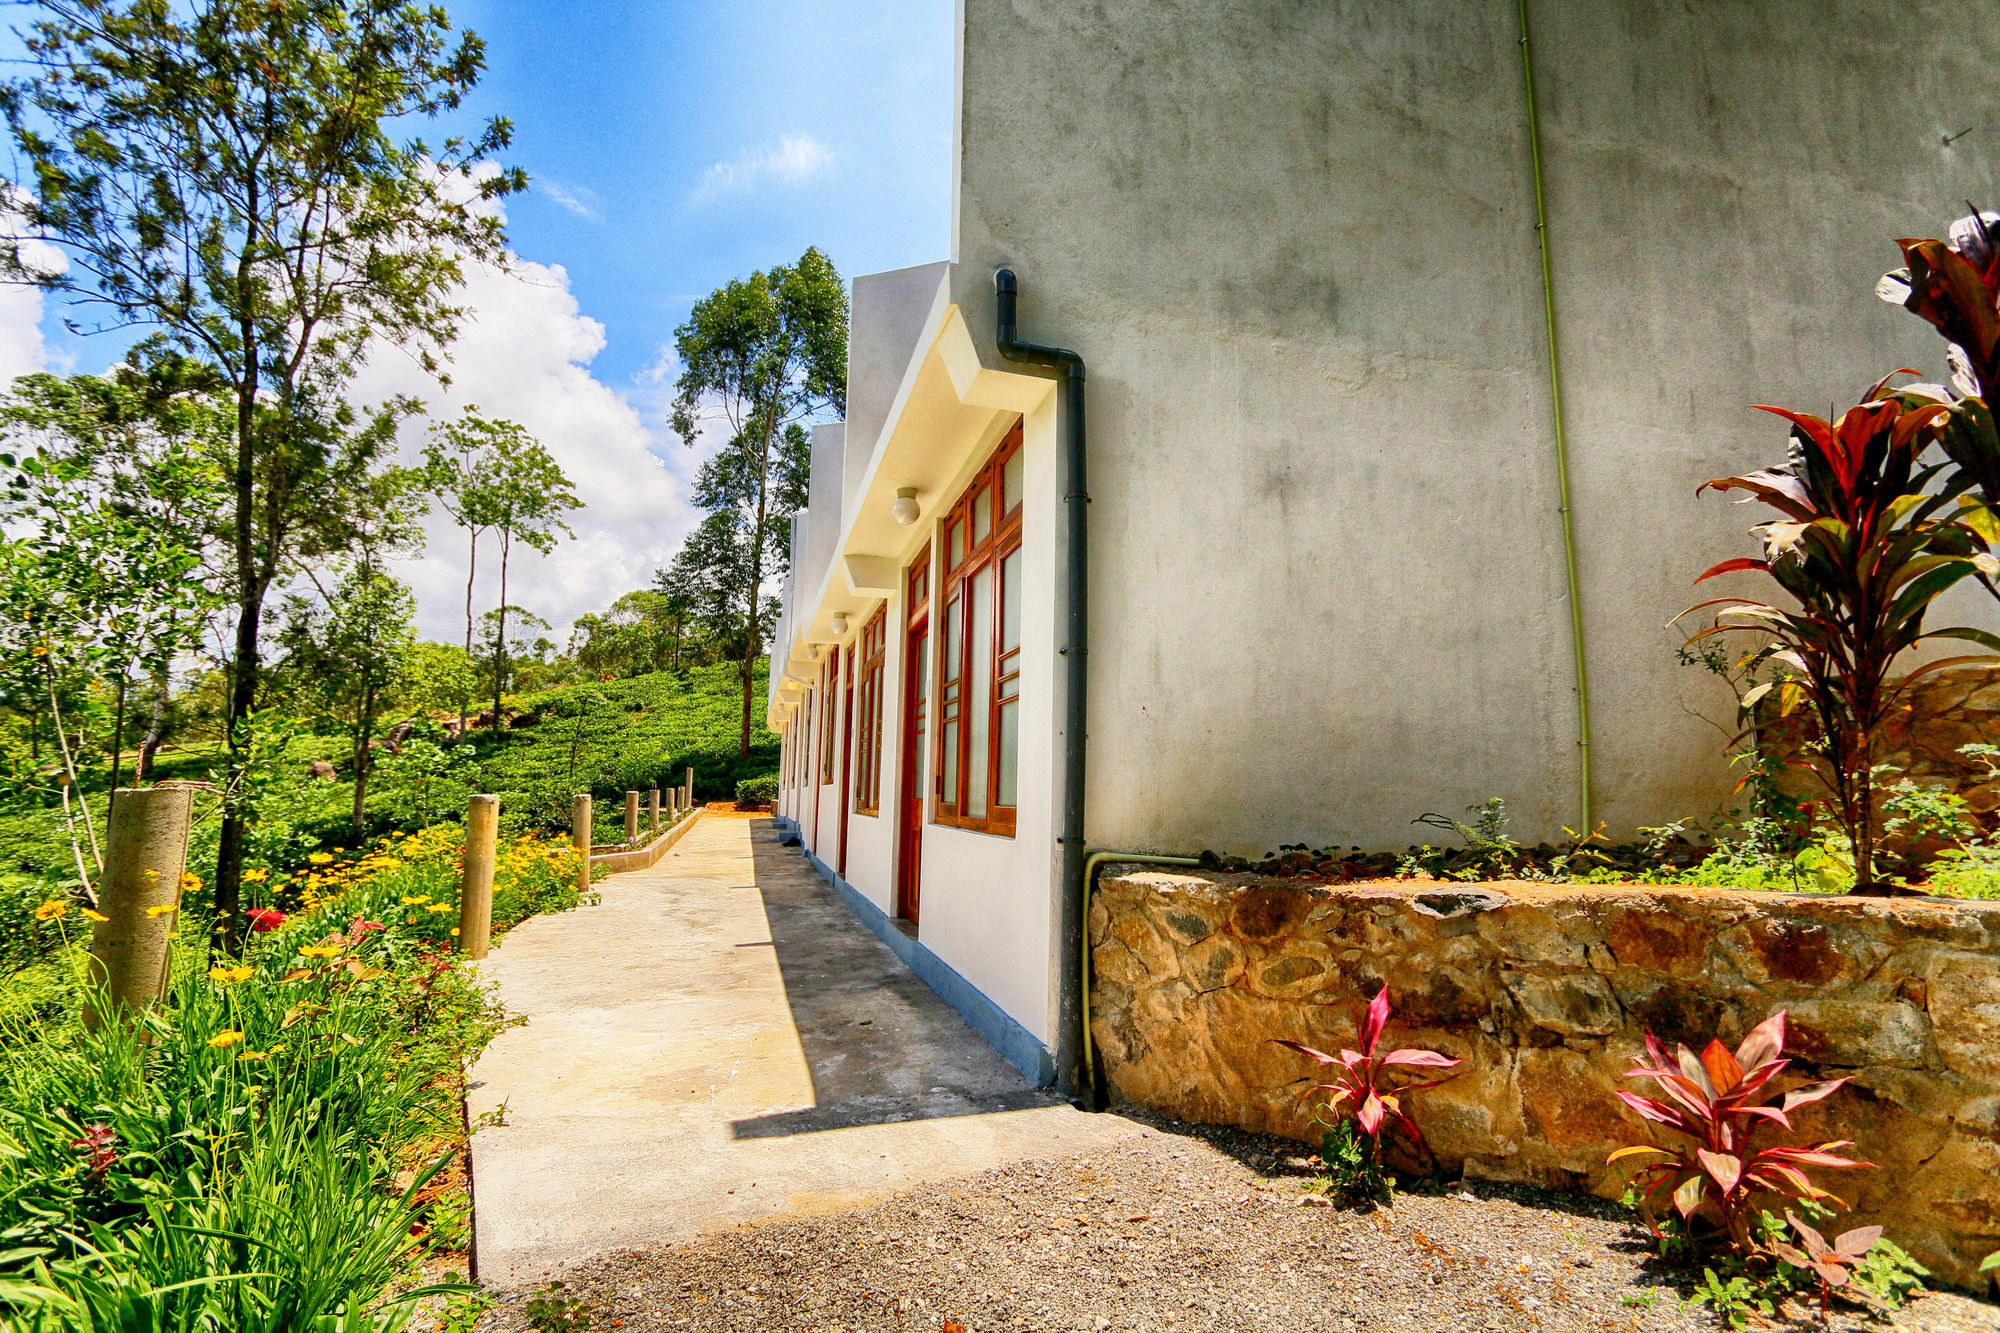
(622, 735)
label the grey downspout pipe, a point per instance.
(1075, 650)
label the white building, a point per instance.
(1333, 582)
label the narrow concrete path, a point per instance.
(721, 1042)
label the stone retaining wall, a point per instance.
(1546, 991)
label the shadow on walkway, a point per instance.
(881, 1046)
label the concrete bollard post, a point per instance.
(655, 809)
(145, 856)
(579, 836)
(475, 889)
(690, 787)
(631, 818)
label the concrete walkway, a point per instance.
(721, 1042)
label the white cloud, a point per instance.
(795, 159)
(582, 202)
(23, 350)
(525, 355)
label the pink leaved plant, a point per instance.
(1719, 1103)
(1832, 1262)
(1370, 1087)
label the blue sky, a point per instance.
(671, 147)
(675, 145)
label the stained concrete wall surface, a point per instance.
(1546, 992)
(1296, 244)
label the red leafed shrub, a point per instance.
(1719, 1103)
(1365, 1086)
(1832, 1263)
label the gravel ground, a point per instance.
(1189, 1228)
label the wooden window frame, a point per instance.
(868, 713)
(829, 690)
(964, 556)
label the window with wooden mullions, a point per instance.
(868, 714)
(979, 668)
(829, 688)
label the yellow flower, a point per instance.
(190, 882)
(162, 910)
(319, 951)
(230, 976)
(321, 858)
(152, 874)
(52, 910)
(95, 916)
(252, 1055)
(256, 876)
(438, 907)
(420, 898)
(454, 930)
(409, 921)
(224, 1039)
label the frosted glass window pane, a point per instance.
(980, 695)
(982, 513)
(1010, 483)
(1010, 754)
(1010, 602)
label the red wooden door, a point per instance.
(915, 750)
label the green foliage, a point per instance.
(246, 1168)
(620, 736)
(1735, 1299)
(1351, 1171)
(766, 354)
(554, 1310)
(757, 791)
(1888, 1273)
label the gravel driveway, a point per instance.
(1186, 1228)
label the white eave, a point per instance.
(948, 405)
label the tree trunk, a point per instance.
(750, 626)
(155, 726)
(471, 564)
(117, 747)
(361, 759)
(227, 932)
(500, 632)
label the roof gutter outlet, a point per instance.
(1070, 1016)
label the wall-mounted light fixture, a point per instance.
(905, 509)
(838, 624)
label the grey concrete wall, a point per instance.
(1295, 242)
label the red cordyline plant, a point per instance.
(1832, 1263)
(1861, 549)
(1954, 284)
(1364, 1085)
(1719, 1103)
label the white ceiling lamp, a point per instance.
(905, 509)
(838, 624)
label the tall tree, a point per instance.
(529, 501)
(348, 653)
(223, 173)
(460, 466)
(116, 475)
(766, 354)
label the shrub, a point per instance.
(757, 793)
(1857, 544)
(1718, 1103)
(1369, 1090)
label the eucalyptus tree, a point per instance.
(461, 468)
(224, 174)
(529, 503)
(764, 355)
